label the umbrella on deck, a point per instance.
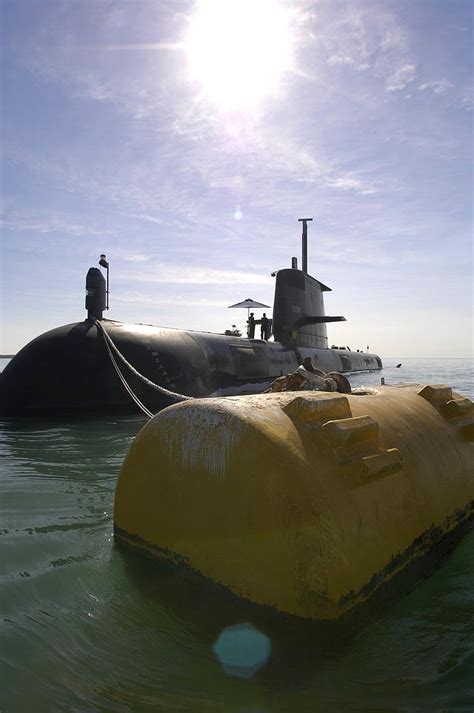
(249, 304)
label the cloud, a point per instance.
(345, 60)
(439, 86)
(401, 77)
(175, 300)
(394, 37)
(82, 58)
(163, 273)
(15, 221)
(149, 218)
(349, 183)
(467, 103)
(137, 258)
(340, 59)
(362, 35)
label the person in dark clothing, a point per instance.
(251, 326)
(268, 331)
(308, 364)
(264, 327)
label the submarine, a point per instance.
(101, 366)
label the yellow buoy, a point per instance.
(305, 502)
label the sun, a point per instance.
(239, 50)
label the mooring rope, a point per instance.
(111, 347)
(132, 395)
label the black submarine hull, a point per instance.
(69, 371)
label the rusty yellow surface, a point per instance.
(303, 501)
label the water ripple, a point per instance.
(87, 628)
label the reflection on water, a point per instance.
(87, 626)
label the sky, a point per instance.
(185, 139)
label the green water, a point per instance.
(87, 627)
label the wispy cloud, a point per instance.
(138, 257)
(340, 59)
(365, 36)
(163, 273)
(18, 222)
(349, 183)
(467, 103)
(140, 299)
(346, 61)
(393, 35)
(82, 58)
(438, 86)
(149, 218)
(401, 77)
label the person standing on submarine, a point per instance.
(264, 327)
(251, 326)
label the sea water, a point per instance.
(88, 627)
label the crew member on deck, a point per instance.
(251, 326)
(264, 327)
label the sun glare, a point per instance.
(238, 50)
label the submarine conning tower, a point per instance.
(299, 319)
(95, 294)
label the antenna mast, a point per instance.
(304, 238)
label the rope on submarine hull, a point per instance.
(110, 346)
(343, 387)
